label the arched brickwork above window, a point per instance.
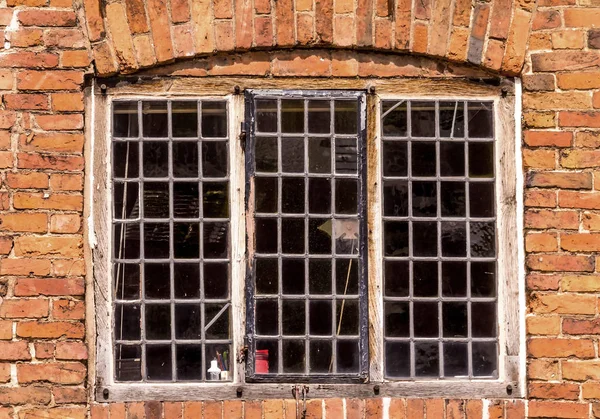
(129, 35)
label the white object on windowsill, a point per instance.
(214, 372)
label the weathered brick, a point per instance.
(27, 287)
(562, 304)
(50, 330)
(560, 348)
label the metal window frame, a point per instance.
(505, 93)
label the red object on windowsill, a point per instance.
(261, 365)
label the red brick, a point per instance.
(54, 413)
(14, 351)
(355, 408)
(541, 242)
(563, 180)
(564, 60)
(21, 308)
(64, 246)
(25, 267)
(557, 263)
(54, 372)
(546, 19)
(562, 303)
(66, 182)
(48, 161)
(41, 17)
(579, 119)
(548, 138)
(28, 287)
(585, 200)
(26, 395)
(26, 200)
(70, 395)
(540, 198)
(573, 410)
(543, 219)
(53, 142)
(50, 330)
(301, 64)
(560, 348)
(26, 180)
(580, 159)
(44, 350)
(25, 222)
(68, 310)
(49, 80)
(64, 223)
(57, 122)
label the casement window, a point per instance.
(285, 236)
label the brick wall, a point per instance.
(47, 46)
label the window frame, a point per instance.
(509, 230)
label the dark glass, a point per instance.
(481, 119)
(319, 276)
(158, 321)
(481, 199)
(292, 155)
(483, 239)
(187, 280)
(454, 316)
(452, 115)
(485, 359)
(347, 317)
(265, 154)
(293, 356)
(184, 119)
(189, 362)
(266, 317)
(395, 158)
(319, 236)
(128, 362)
(126, 161)
(319, 116)
(425, 318)
(346, 196)
(292, 276)
(454, 279)
(452, 158)
(125, 119)
(157, 283)
(454, 239)
(423, 158)
(292, 115)
(319, 196)
(395, 122)
(186, 240)
(266, 235)
(427, 359)
(186, 200)
(396, 278)
(347, 356)
(481, 160)
(293, 318)
(320, 356)
(397, 319)
(453, 199)
(346, 276)
(425, 279)
(272, 353)
(320, 318)
(346, 155)
(156, 200)
(319, 155)
(266, 115)
(156, 240)
(424, 202)
(265, 192)
(483, 279)
(158, 362)
(292, 235)
(292, 195)
(187, 321)
(219, 319)
(395, 198)
(346, 116)
(215, 197)
(266, 276)
(125, 200)
(422, 119)
(127, 281)
(126, 243)
(127, 322)
(214, 119)
(483, 320)
(395, 238)
(216, 280)
(397, 359)
(214, 159)
(156, 158)
(216, 240)
(154, 119)
(424, 238)
(456, 359)
(185, 159)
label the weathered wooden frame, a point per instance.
(511, 315)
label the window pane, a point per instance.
(171, 241)
(125, 119)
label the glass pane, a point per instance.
(483, 320)
(346, 155)
(319, 236)
(187, 321)
(347, 317)
(346, 116)
(127, 322)
(427, 359)
(483, 239)
(216, 280)
(347, 356)
(156, 200)
(454, 239)
(346, 196)
(223, 355)
(395, 238)
(481, 120)
(186, 200)
(266, 235)
(156, 240)
(452, 119)
(319, 276)
(185, 156)
(425, 279)
(156, 158)
(397, 359)
(319, 116)
(395, 120)
(265, 151)
(423, 159)
(266, 115)
(292, 115)
(186, 240)
(319, 196)
(452, 158)
(126, 202)
(292, 195)
(126, 243)
(346, 272)
(158, 321)
(189, 362)
(422, 118)
(128, 362)
(483, 279)
(126, 161)
(397, 319)
(485, 359)
(292, 276)
(320, 356)
(481, 160)
(214, 159)
(294, 355)
(395, 158)
(425, 317)
(125, 119)
(455, 320)
(424, 238)
(266, 357)
(184, 118)
(158, 362)
(267, 276)
(265, 191)
(454, 279)
(396, 278)
(320, 318)
(214, 119)
(456, 359)
(481, 199)
(293, 317)
(453, 199)
(216, 240)
(157, 280)
(127, 281)
(215, 198)
(292, 235)
(217, 321)
(292, 155)
(266, 317)
(424, 199)
(319, 155)
(395, 198)
(154, 118)
(187, 280)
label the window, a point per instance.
(308, 236)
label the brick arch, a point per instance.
(129, 35)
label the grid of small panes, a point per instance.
(170, 241)
(439, 223)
